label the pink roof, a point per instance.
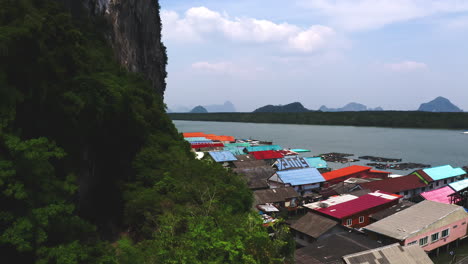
(439, 195)
(360, 204)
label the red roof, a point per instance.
(267, 154)
(377, 171)
(360, 204)
(207, 145)
(344, 172)
(394, 185)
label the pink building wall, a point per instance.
(454, 234)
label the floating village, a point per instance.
(356, 214)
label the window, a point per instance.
(445, 181)
(423, 241)
(349, 222)
(361, 219)
(301, 236)
(412, 243)
(434, 237)
(437, 183)
(406, 192)
(452, 180)
(430, 186)
(445, 233)
(423, 189)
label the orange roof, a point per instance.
(344, 172)
(209, 136)
(194, 134)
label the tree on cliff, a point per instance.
(92, 170)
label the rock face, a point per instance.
(134, 32)
(289, 108)
(351, 107)
(440, 104)
(199, 110)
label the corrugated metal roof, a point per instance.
(267, 154)
(301, 176)
(394, 253)
(206, 145)
(316, 162)
(222, 156)
(264, 148)
(443, 172)
(334, 200)
(291, 163)
(440, 195)
(360, 204)
(459, 185)
(345, 172)
(274, 195)
(313, 225)
(394, 185)
(411, 221)
(238, 144)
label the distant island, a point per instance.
(351, 107)
(440, 104)
(295, 107)
(226, 107)
(199, 110)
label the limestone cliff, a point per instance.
(134, 33)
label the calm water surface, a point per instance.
(428, 146)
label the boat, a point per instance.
(465, 132)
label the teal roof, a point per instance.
(316, 162)
(264, 148)
(199, 139)
(443, 172)
(239, 144)
(459, 185)
(235, 150)
(300, 150)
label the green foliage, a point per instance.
(88, 156)
(405, 119)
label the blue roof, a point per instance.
(301, 176)
(443, 172)
(316, 162)
(235, 150)
(459, 185)
(263, 148)
(222, 156)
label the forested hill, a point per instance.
(92, 170)
(405, 119)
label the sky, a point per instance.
(395, 54)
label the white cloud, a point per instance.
(227, 68)
(373, 14)
(201, 23)
(406, 66)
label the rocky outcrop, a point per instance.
(134, 32)
(440, 104)
(351, 107)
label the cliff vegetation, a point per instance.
(92, 170)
